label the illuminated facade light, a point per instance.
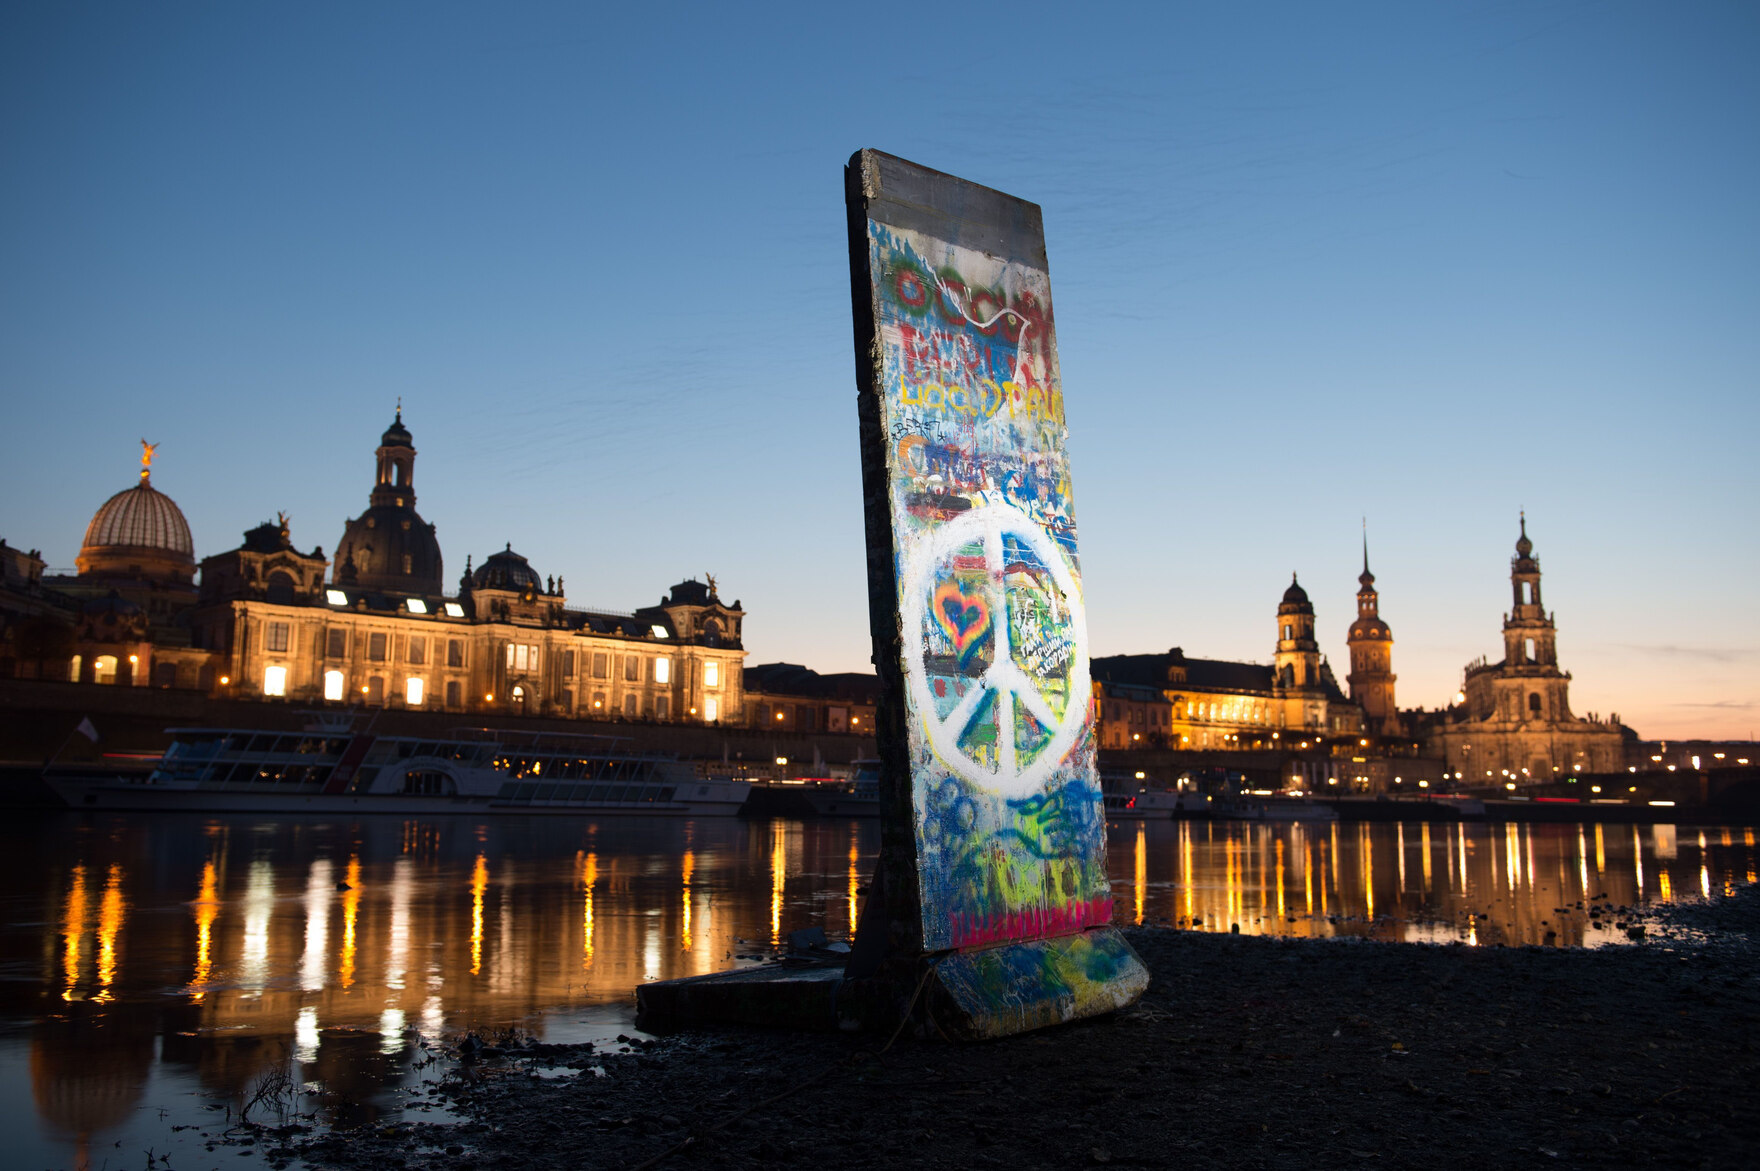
(416, 605)
(336, 597)
(333, 685)
(453, 609)
(412, 692)
(657, 631)
(275, 681)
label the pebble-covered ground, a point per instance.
(1245, 1052)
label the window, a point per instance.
(376, 648)
(406, 557)
(632, 668)
(455, 652)
(278, 632)
(334, 685)
(336, 643)
(1534, 702)
(275, 681)
(417, 651)
(598, 701)
(630, 705)
(567, 700)
(662, 707)
(712, 674)
(567, 665)
(104, 669)
(412, 692)
(336, 597)
(1528, 647)
(375, 689)
(416, 605)
(601, 665)
(711, 709)
(663, 670)
(1288, 631)
(452, 693)
(453, 609)
(280, 588)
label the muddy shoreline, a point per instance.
(1245, 1052)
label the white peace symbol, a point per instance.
(1009, 683)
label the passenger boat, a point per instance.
(1155, 804)
(330, 768)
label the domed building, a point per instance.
(390, 547)
(132, 591)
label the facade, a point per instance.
(1371, 677)
(381, 631)
(1514, 725)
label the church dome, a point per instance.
(397, 435)
(390, 548)
(1295, 595)
(506, 570)
(141, 517)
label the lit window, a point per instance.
(663, 670)
(657, 631)
(712, 674)
(711, 709)
(412, 692)
(336, 597)
(275, 681)
(416, 606)
(454, 610)
(334, 684)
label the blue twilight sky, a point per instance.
(1425, 263)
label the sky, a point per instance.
(1316, 267)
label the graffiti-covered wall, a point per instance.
(964, 422)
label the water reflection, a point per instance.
(234, 945)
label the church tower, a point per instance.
(389, 546)
(1371, 647)
(1298, 654)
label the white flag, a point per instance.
(87, 730)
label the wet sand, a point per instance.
(1245, 1052)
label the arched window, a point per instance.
(281, 588)
(1534, 702)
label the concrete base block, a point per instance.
(982, 993)
(972, 995)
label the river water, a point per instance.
(156, 970)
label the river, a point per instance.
(156, 970)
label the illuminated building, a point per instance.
(266, 624)
(1371, 649)
(1170, 700)
(1512, 724)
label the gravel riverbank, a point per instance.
(1245, 1052)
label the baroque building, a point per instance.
(1512, 724)
(265, 623)
(1170, 700)
(1371, 677)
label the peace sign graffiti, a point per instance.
(996, 655)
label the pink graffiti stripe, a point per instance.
(1030, 922)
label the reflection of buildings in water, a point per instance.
(1509, 883)
(89, 1064)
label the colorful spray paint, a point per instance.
(993, 823)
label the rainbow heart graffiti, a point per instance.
(964, 618)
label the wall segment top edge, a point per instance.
(903, 194)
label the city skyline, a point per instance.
(1427, 268)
